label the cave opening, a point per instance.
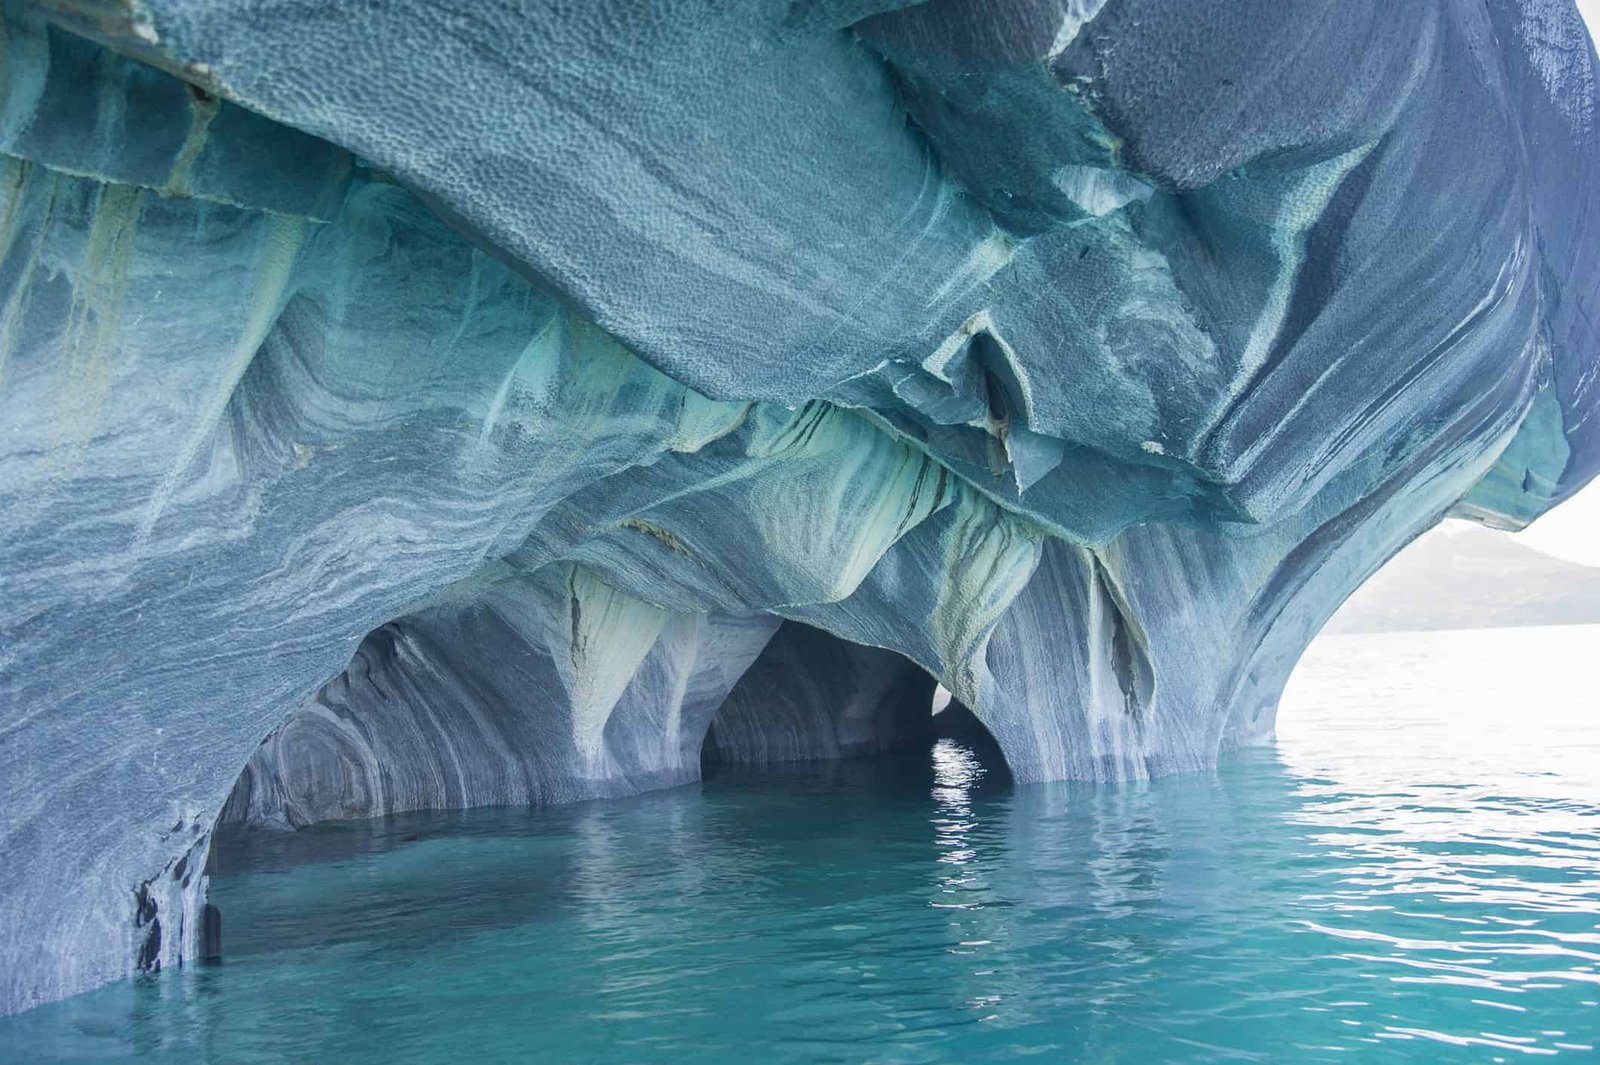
(957, 729)
(459, 721)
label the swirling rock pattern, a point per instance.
(459, 402)
(545, 689)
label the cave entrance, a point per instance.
(813, 698)
(965, 752)
(813, 723)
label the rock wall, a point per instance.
(507, 373)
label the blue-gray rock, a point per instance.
(450, 402)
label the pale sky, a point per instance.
(1571, 531)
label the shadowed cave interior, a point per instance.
(458, 708)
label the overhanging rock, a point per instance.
(458, 396)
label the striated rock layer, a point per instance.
(457, 402)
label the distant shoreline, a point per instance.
(1462, 577)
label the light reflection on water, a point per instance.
(1412, 875)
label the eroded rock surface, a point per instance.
(449, 403)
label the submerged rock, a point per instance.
(454, 403)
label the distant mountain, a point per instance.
(1463, 576)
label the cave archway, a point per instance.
(956, 727)
(812, 696)
(556, 687)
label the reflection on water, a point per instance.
(1412, 875)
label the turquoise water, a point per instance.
(1412, 874)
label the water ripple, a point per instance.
(1411, 877)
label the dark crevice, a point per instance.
(147, 956)
(1130, 657)
(812, 696)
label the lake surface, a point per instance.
(1412, 874)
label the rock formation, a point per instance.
(448, 402)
